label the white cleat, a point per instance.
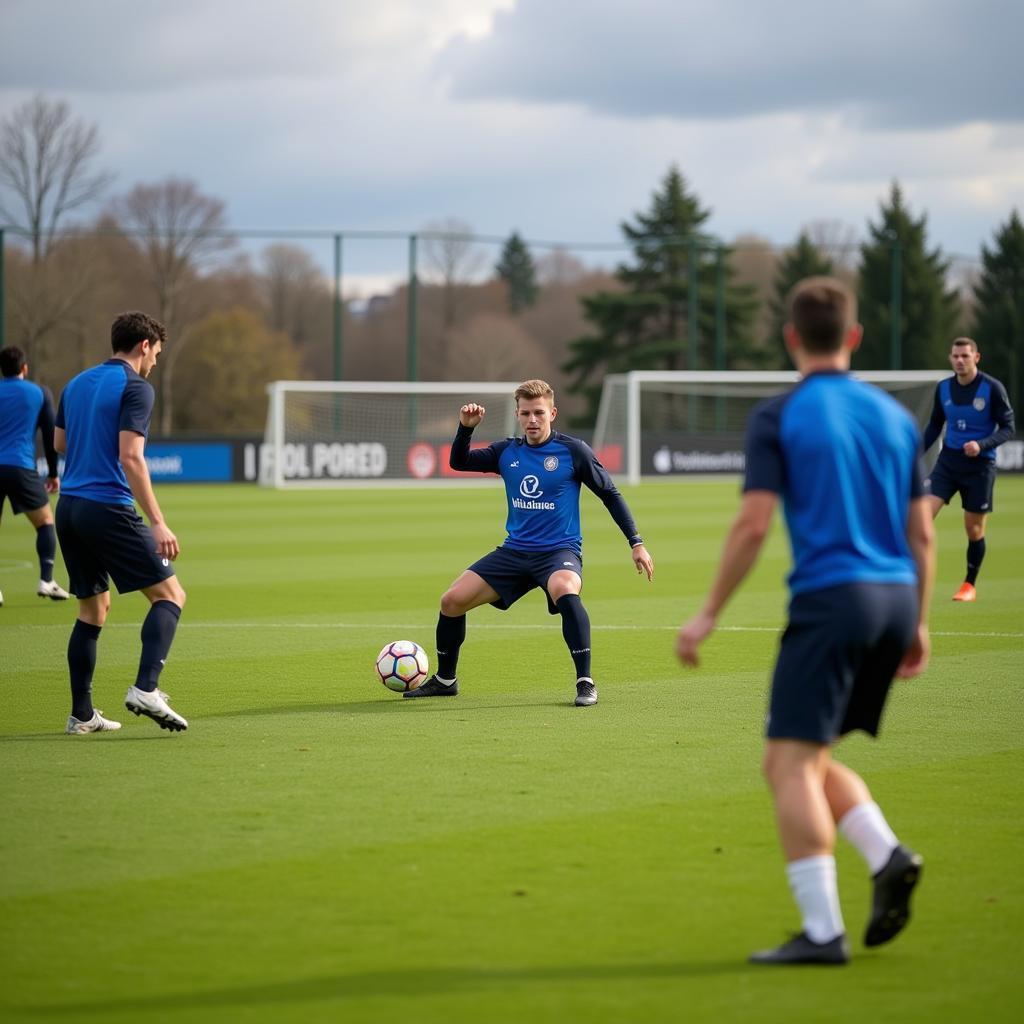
(53, 590)
(1, 598)
(154, 705)
(95, 724)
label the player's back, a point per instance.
(92, 412)
(20, 404)
(850, 453)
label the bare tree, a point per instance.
(180, 232)
(44, 161)
(451, 258)
(297, 295)
(559, 267)
(837, 243)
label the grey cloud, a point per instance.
(888, 63)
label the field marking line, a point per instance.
(512, 627)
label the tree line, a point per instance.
(682, 299)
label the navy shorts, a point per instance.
(837, 659)
(23, 488)
(511, 573)
(103, 542)
(974, 483)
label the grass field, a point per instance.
(316, 849)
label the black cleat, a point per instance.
(432, 688)
(586, 693)
(890, 905)
(801, 950)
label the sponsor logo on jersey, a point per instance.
(514, 465)
(551, 463)
(979, 404)
(529, 487)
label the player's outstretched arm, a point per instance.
(471, 414)
(742, 546)
(130, 455)
(921, 538)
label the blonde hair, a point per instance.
(535, 389)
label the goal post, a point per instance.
(659, 423)
(336, 433)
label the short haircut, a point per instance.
(12, 359)
(965, 341)
(534, 389)
(822, 310)
(128, 329)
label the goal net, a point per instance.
(652, 424)
(329, 433)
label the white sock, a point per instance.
(865, 826)
(813, 882)
(444, 682)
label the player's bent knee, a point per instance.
(451, 605)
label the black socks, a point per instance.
(451, 632)
(975, 556)
(46, 549)
(576, 630)
(157, 635)
(81, 665)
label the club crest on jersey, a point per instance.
(529, 487)
(551, 463)
(979, 404)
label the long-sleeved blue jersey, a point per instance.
(542, 486)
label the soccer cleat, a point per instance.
(890, 904)
(432, 688)
(586, 693)
(966, 593)
(53, 590)
(801, 950)
(154, 705)
(95, 724)
(1, 598)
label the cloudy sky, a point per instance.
(554, 117)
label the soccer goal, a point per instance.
(656, 424)
(333, 433)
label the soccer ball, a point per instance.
(402, 665)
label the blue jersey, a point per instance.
(25, 407)
(94, 408)
(845, 458)
(542, 487)
(979, 411)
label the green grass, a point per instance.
(316, 849)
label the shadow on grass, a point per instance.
(379, 707)
(403, 983)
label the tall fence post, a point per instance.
(3, 290)
(412, 341)
(339, 307)
(896, 308)
(693, 326)
(719, 329)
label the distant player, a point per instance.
(102, 422)
(976, 413)
(844, 457)
(26, 407)
(543, 472)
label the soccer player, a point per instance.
(102, 422)
(976, 413)
(26, 407)
(543, 471)
(844, 457)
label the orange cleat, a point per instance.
(966, 593)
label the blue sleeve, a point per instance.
(45, 424)
(594, 476)
(1002, 413)
(481, 460)
(59, 421)
(917, 473)
(766, 468)
(136, 406)
(935, 423)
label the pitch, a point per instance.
(314, 849)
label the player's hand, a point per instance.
(915, 661)
(51, 484)
(643, 561)
(972, 449)
(691, 636)
(166, 542)
(470, 415)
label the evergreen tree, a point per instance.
(928, 311)
(804, 259)
(517, 269)
(646, 325)
(999, 309)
